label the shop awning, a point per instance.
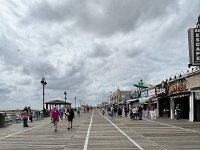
(144, 100)
(183, 94)
(132, 100)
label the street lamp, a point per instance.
(75, 102)
(80, 102)
(65, 97)
(44, 83)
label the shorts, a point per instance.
(54, 120)
(70, 118)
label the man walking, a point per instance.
(70, 112)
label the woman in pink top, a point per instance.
(55, 115)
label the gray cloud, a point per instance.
(100, 51)
(103, 17)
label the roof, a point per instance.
(57, 102)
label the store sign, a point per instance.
(144, 94)
(152, 92)
(160, 90)
(178, 88)
(194, 46)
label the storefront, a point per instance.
(133, 102)
(163, 100)
(144, 101)
(179, 96)
(153, 101)
(197, 106)
(193, 84)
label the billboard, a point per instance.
(194, 46)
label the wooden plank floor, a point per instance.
(149, 134)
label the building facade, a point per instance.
(119, 97)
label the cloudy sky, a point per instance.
(89, 47)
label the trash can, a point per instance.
(2, 119)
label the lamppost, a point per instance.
(65, 97)
(44, 83)
(75, 102)
(80, 102)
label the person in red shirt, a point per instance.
(55, 116)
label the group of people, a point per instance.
(69, 114)
(136, 113)
(117, 111)
(55, 116)
(26, 115)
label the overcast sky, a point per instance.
(89, 47)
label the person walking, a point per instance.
(134, 111)
(55, 116)
(103, 110)
(31, 117)
(140, 112)
(115, 111)
(70, 113)
(178, 112)
(126, 111)
(24, 118)
(78, 111)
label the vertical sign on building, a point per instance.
(194, 45)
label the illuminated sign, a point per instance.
(194, 46)
(177, 88)
(160, 91)
(152, 92)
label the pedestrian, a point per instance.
(125, 111)
(55, 116)
(178, 112)
(78, 111)
(131, 113)
(24, 118)
(134, 111)
(31, 117)
(115, 111)
(119, 112)
(44, 112)
(140, 112)
(70, 113)
(103, 110)
(111, 111)
(66, 114)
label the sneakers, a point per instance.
(68, 128)
(55, 130)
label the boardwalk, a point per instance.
(98, 132)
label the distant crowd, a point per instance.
(65, 112)
(119, 111)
